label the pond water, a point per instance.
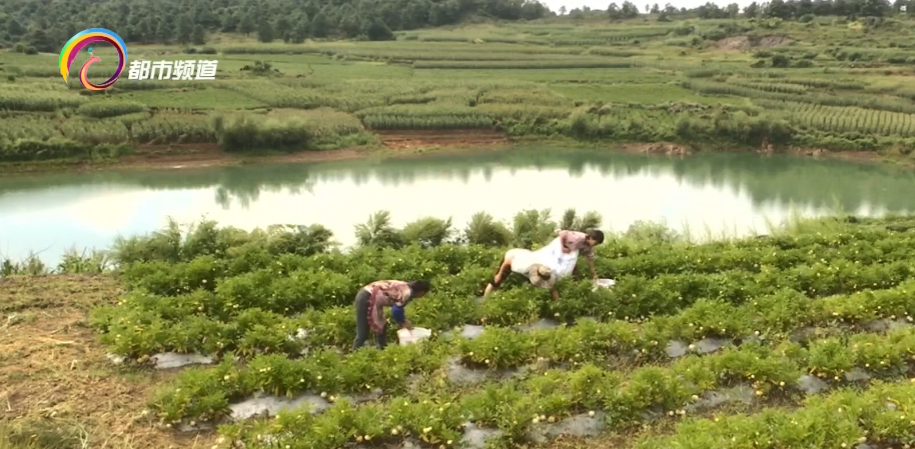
(721, 193)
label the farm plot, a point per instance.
(845, 119)
(757, 321)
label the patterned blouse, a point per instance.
(574, 240)
(385, 294)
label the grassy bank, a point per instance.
(819, 298)
(705, 83)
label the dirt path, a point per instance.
(405, 140)
(55, 380)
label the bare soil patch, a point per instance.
(57, 387)
(403, 140)
(744, 43)
(662, 148)
(182, 156)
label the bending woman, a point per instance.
(373, 298)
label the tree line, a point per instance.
(45, 25)
(787, 10)
(48, 24)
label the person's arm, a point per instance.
(400, 317)
(591, 265)
(564, 241)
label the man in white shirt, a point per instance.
(524, 262)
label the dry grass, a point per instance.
(57, 388)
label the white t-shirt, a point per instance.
(522, 260)
(552, 256)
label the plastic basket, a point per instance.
(407, 337)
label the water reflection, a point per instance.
(724, 191)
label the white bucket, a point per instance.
(408, 337)
(604, 283)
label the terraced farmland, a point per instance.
(712, 76)
(809, 321)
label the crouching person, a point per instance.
(525, 263)
(373, 298)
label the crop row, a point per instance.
(514, 405)
(30, 101)
(846, 119)
(464, 55)
(378, 48)
(534, 65)
(254, 314)
(455, 121)
(330, 279)
(240, 252)
(881, 416)
(792, 89)
(813, 83)
(861, 101)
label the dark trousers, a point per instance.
(362, 323)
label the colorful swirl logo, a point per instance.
(80, 41)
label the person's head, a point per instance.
(541, 276)
(595, 237)
(419, 288)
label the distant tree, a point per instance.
(779, 9)
(14, 28)
(613, 11)
(670, 9)
(185, 28)
(647, 8)
(562, 10)
(246, 25)
(300, 30)
(842, 8)
(710, 11)
(822, 8)
(198, 36)
(38, 38)
(265, 32)
(283, 29)
(910, 8)
(655, 9)
(229, 22)
(351, 25)
(804, 7)
(733, 10)
(164, 31)
(898, 5)
(874, 8)
(320, 25)
(629, 10)
(379, 31)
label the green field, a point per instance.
(805, 333)
(709, 84)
